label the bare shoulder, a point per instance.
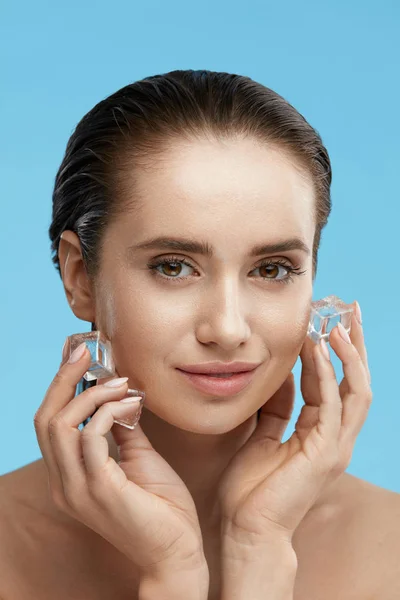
(9, 494)
(8, 531)
(350, 548)
(21, 517)
(44, 553)
(376, 518)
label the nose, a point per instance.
(223, 321)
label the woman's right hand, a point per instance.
(141, 506)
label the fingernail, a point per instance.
(344, 333)
(77, 353)
(324, 349)
(64, 350)
(127, 400)
(116, 382)
(358, 313)
(134, 396)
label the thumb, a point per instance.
(143, 465)
(131, 436)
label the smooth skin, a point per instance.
(141, 498)
(225, 307)
(270, 486)
(143, 508)
(259, 504)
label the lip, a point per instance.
(219, 386)
(219, 367)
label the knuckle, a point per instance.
(59, 379)
(87, 435)
(307, 371)
(356, 356)
(94, 390)
(56, 423)
(330, 374)
(38, 420)
(92, 398)
(102, 410)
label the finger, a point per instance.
(86, 403)
(66, 437)
(357, 339)
(276, 412)
(59, 393)
(330, 410)
(357, 400)
(123, 435)
(95, 448)
(309, 386)
(307, 419)
(309, 380)
(64, 353)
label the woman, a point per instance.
(187, 216)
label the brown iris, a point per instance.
(167, 265)
(268, 270)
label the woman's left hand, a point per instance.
(269, 486)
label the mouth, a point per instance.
(220, 384)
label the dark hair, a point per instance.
(135, 124)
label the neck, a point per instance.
(200, 459)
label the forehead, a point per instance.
(233, 188)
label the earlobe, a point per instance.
(77, 284)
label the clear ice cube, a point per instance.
(132, 420)
(326, 314)
(102, 364)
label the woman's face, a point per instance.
(226, 307)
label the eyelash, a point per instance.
(174, 259)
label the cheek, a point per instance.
(285, 327)
(143, 329)
(137, 322)
(299, 328)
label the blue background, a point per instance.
(337, 63)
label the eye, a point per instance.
(173, 270)
(265, 269)
(270, 270)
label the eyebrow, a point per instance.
(205, 249)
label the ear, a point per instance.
(77, 285)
